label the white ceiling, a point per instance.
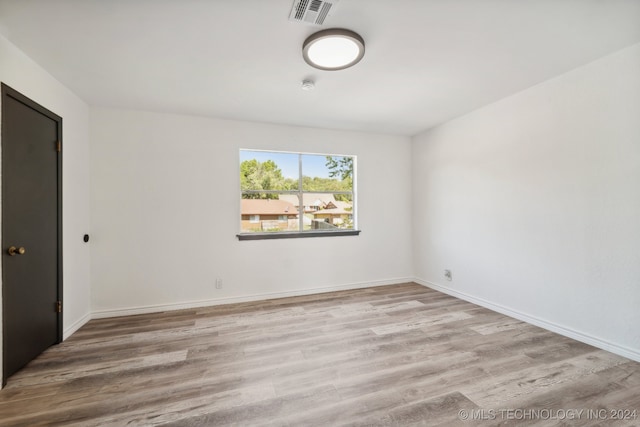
(426, 61)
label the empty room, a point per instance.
(320, 212)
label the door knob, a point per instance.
(16, 251)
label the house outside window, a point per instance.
(285, 194)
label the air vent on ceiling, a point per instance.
(312, 12)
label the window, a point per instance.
(285, 195)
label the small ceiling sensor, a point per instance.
(308, 85)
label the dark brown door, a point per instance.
(31, 230)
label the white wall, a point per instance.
(534, 204)
(25, 76)
(165, 214)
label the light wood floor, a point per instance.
(393, 355)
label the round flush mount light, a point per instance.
(333, 49)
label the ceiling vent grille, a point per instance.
(312, 12)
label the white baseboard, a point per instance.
(620, 350)
(101, 314)
(75, 326)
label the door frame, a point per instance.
(7, 91)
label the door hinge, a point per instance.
(58, 146)
(58, 306)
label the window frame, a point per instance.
(300, 233)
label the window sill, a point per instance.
(296, 235)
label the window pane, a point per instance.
(336, 214)
(277, 213)
(261, 170)
(327, 173)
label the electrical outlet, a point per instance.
(447, 275)
(218, 283)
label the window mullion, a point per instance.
(300, 198)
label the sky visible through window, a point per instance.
(312, 165)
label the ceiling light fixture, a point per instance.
(333, 49)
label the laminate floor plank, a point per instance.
(390, 355)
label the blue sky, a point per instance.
(312, 165)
